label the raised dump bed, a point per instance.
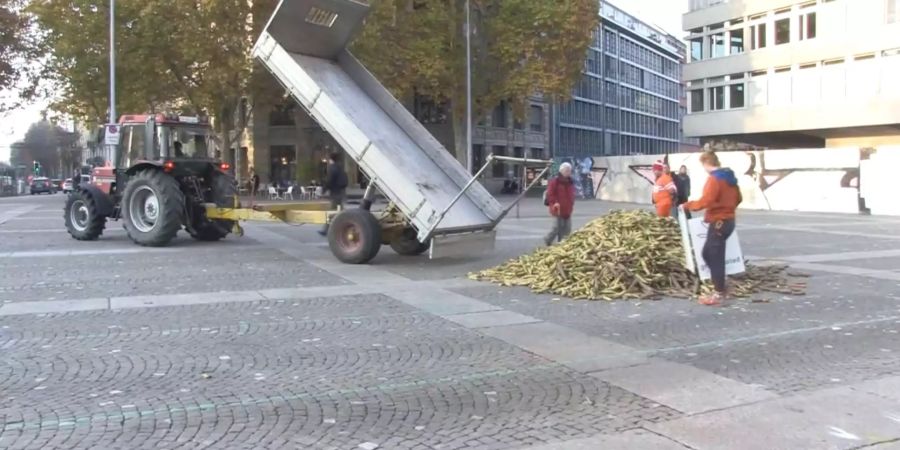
(304, 45)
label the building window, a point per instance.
(282, 116)
(737, 41)
(697, 100)
(782, 31)
(697, 49)
(536, 118)
(498, 169)
(758, 36)
(807, 26)
(717, 41)
(498, 118)
(429, 112)
(736, 93)
(717, 98)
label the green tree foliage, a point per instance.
(193, 56)
(519, 47)
(18, 54)
(12, 42)
(189, 56)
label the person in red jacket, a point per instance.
(721, 197)
(561, 201)
(664, 190)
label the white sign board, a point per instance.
(693, 237)
(112, 135)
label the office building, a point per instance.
(630, 98)
(782, 73)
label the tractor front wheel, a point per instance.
(354, 236)
(224, 194)
(153, 208)
(407, 244)
(82, 219)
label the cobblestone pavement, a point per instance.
(276, 346)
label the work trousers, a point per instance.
(714, 251)
(337, 202)
(561, 229)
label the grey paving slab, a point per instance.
(490, 319)
(887, 387)
(567, 346)
(55, 306)
(632, 439)
(184, 299)
(683, 387)
(440, 302)
(838, 418)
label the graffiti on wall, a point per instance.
(806, 180)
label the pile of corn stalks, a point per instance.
(626, 255)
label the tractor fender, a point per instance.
(142, 166)
(104, 203)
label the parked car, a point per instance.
(67, 186)
(42, 186)
(57, 184)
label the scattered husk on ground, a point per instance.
(627, 255)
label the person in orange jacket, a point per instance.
(664, 190)
(721, 197)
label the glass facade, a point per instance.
(628, 100)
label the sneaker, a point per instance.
(714, 299)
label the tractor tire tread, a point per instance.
(97, 223)
(171, 202)
(370, 235)
(223, 195)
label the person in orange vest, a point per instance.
(664, 190)
(721, 197)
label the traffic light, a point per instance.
(37, 167)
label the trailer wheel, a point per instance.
(223, 194)
(153, 208)
(354, 236)
(83, 221)
(407, 244)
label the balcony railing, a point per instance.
(703, 4)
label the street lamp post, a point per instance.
(111, 149)
(469, 156)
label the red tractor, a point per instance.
(158, 183)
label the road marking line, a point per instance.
(15, 212)
(55, 230)
(114, 251)
(842, 256)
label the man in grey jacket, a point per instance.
(335, 184)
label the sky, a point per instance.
(665, 14)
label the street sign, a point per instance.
(112, 135)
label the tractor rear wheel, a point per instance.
(82, 219)
(152, 208)
(354, 236)
(407, 244)
(224, 194)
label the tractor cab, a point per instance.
(158, 139)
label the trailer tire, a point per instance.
(83, 219)
(407, 244)
(354, 236)
(152, 208)
(223, 194)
